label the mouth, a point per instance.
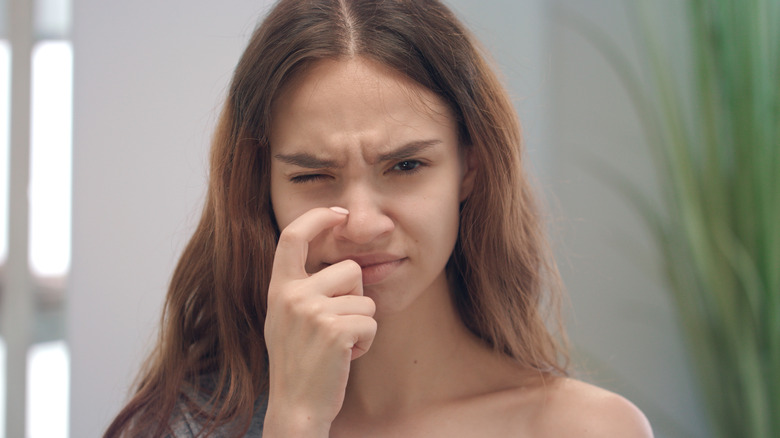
(376, 267)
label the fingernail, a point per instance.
(340, 210)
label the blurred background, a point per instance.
(106, 109)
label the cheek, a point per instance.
(277, 204)
(435, 218)
(286, 210)
(449, 211)
(286, 207)
(280, 210)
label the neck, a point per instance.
(411, 362)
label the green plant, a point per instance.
(713, 123)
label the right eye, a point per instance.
(312, 177)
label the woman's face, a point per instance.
(357, 135)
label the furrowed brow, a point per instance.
(308, 161)
(407, 150)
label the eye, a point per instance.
(300, 179)
(407, 166)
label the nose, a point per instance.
(368, 218)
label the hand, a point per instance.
(315, 325)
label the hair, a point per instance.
(502, 271)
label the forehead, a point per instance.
(337, 102)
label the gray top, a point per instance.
(185, 425)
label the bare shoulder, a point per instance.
(569, 407)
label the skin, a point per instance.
(362, 334)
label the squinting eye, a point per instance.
(407, 165)
(307, 178)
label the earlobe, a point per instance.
(469, 174)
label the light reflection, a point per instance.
(47, 390)
(5, 103)
(50, 158)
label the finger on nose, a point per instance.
(293, 246)
(364, 225)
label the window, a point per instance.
(32, 342)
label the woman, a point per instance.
(370, 260)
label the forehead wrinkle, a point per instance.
(355, 138)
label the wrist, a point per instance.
(293, 423)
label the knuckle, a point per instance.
(299, 304)
(311, 309)
(331, 328)
(327, 323)
(291, 301)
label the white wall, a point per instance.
(621, 320)
(149, 76)
(574, 110)
(148, 79)
(514, 32)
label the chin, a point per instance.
(388, 302)
(404, 298)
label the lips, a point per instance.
(375, 267)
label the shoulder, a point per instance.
(569, 407)
(188, 418)
(182, 424)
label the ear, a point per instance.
(470, 165)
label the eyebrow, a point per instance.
(407, 150)
(309, 161)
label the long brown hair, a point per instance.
(501, 268)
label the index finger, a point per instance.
(293, 246)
